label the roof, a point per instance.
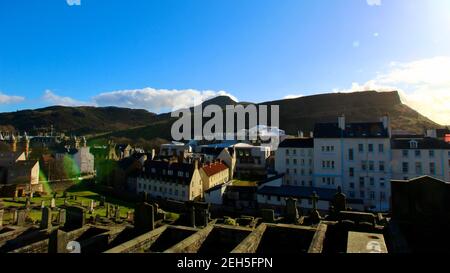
(211, 150)
(298, 192)
(158, 169)
(214, 168)
(424, 179)
(425, 143)
(25, 164)
(270, 179)
(297, 143)
(217, 187)
(352, 130)
(441, 133)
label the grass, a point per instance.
(244, 183)
(83, 197)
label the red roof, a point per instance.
(214, 168)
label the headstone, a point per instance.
(46, 219)
(130, 216)
(192, 216)
(204, 217)
(21, 217)
(66, 203)
(117, 213)
(14, 216)
(2, 212)
(54, 195)
(108, 215)
(268, 215)
(42, 204)
(28, 203)
(62, 217)
(291, 210)
(75, 217)
(144, 218)
(53, 203)
(102, 201)
(315, 215)
(340, 201)
(91, 206)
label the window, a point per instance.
(370, 148)
(418, 153)
(372, 195)
(418, 168)
(287, 171)
(363, 165)
(350, 154)
(382, 196)
(382, 168)
(287, 151)
(352, 185)
(413, 144)
(372, 181)
(294, 152)
(180, 173)
(295, 161)
(405, 167)
(431, 153)
(361, 148)
(352, 194)
(371, 165)
(405, 153)
(351, 172)
(361, 182)
(287, 161)
(382, 182)
(362, 194)
(381, 148)
(432, 168)
(295, 171)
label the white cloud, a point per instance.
(293, 96)
(6, 99)
(356, 44)
(157, 100)
(376, 34)
(373, 2)
(423, 84)
(52, 98)
(73, 2)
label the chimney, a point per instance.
(301, 134)
(431, 133)
(386, 123)
(196, 166)
(341, 122)
(153, 154)
(311, 134)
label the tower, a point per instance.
(84, 142)
(13, 142)
(26, 140)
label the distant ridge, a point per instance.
(298, 114)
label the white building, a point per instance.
(419, 156)
(295, 158)
(251, 160)
(356, 157)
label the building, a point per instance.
(174, 180)
(355, 157)
(419, 156)
(295, 158)
(174, 148)
(78, 159)
(213, 174)
(251, 161)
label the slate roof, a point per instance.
(159, 165)
(297, 143)
(426, 143)
(352, 130)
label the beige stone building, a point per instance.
(214, 174)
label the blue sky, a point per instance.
(161, 54)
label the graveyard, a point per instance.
(82, 222)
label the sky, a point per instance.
(165, 54)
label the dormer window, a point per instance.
(413, 144)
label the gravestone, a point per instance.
(42, 204)
(91, 206)
(291, 210)
(340, 201)
(2, 212)
(75, 217)
(46, 218)
(117, 214)
(192, 216)
(130, 216)
(53, 203)
(102, 201)
(144, 217)
(66, 203)
(28, 203)
(14, 216)
(268, 215)
(21, 217)
(62, 217)
(315, 215)
(204, 217)
(108, 215)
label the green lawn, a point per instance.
(83, 197)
